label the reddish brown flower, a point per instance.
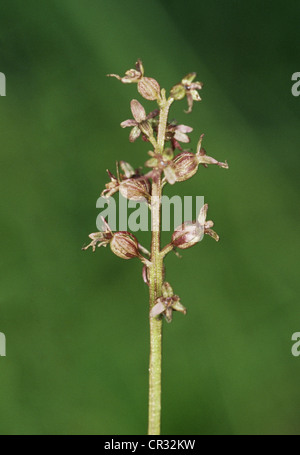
(130, 183)
(191, 232)
(187, 87)
(101, 238)
(136, 190)
(147, 86)
(122, 243)
(167, 303)
(178, 133)
(164, 163)
(139, 123)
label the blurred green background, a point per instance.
(76, 322)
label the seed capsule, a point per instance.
(125, 245)
(149, 88)
(186, 165)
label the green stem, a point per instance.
(155, 283)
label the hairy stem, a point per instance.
(155, 284)
(163, 120)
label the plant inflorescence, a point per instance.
(168, 163)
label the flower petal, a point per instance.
(177, 306)
(131, 76)
(152, 162)
(212, 234)
(134, 134)
(202, 215)
(138, 111)
(130, 122)
(181, 137)
(170, 175)
(189, 98)
(184, 128)
(153, 114)
(195, 95)
(139, 67)
(159, 308)
(188, 78)
(196, 86)
(169, 314)
(167, 290)
(127, 169)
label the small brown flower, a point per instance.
(191, 232)
(167, 304)
(186, 163)
(164, 163)
(116, 182)
(133, 75)
(111, 187)
(178, 133)
(101, 238)
(206, 225)
(189, 89)
(122, 243)
(140, 122)
(187, 235)
(136, 190)
(148, 87)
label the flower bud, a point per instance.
(135, 190)
(125, 245)
(149, 88)
(187, 235)
(186, 165)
